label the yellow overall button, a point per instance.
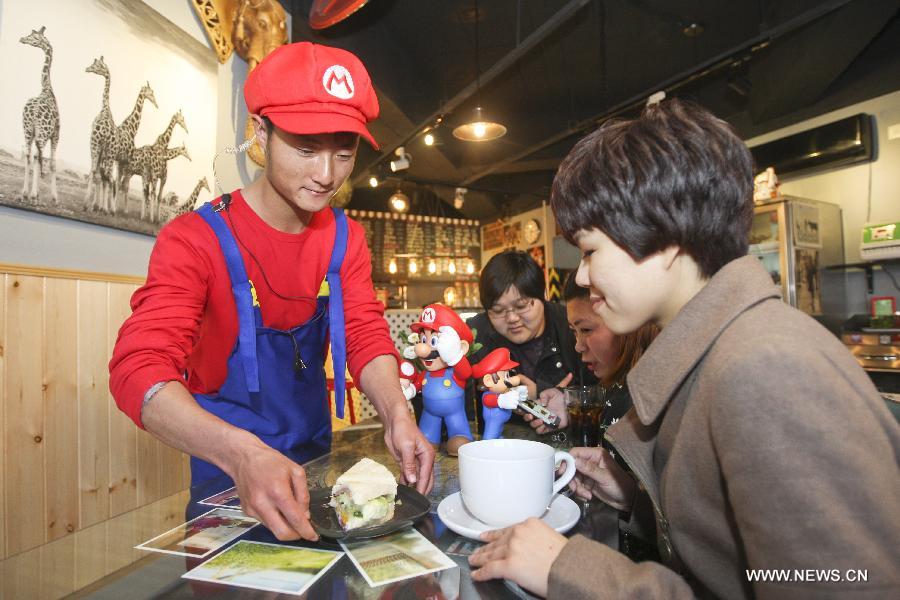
(446, 383)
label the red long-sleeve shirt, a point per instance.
(184, 318)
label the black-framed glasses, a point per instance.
(521, 307)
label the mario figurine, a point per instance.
(443, 341)
(503, 393)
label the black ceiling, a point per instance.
(550, 70)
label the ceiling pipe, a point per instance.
(713, 65)
(536, 37)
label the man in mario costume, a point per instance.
(444, 339)
(223, 356)
(497, 373)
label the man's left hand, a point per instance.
(522, 553)
(411, 451)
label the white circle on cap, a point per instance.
(428, 315)
(338, 82)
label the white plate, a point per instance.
(562, 515)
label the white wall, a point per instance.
(866, 193)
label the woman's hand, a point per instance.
(555, 400)
(522, 553)
(599, 475)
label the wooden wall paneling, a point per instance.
(186, 471)
(20, 575)
(93, 409)
(170, 480)
(121, 537)
(61, 407)
(58, 568)
(148, 450)
(123, 433)
(24, 426)
(90, 554)
(2, 417)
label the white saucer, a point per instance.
(562, 515)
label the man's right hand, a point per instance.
(274, 490)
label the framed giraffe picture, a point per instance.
(108, 113)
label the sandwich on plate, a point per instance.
(364, 495)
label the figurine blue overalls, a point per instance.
(494, 419)
(443, 399)
(275, 386)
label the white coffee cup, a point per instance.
(504, 482)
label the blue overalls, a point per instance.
(275, 386)
(494, 419)
(443, 399)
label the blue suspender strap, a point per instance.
(240, 286)
(336, 310)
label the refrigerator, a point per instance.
(796, 239)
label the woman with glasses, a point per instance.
(517, 318)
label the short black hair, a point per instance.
(675, 176)
(269, 125)
(572, 290)
(510, 268)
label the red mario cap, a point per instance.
(306, 88)
(435, 316)
(497, 360)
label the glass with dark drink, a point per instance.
(584, 406)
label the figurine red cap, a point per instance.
(306, 88)
(497, 360)
(435, 316)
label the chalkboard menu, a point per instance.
(418, 247)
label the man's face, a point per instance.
(426, 349)
(625, 293)
(517, 318)
(501, 381)
(307, 170)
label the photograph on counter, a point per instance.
(226, 499)
(201, 536)
(398, 556)
(269, 567)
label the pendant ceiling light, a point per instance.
(479, 128)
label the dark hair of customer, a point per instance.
(633, 344)
(507, 269)
(675, 176)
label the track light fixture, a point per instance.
(402, 161)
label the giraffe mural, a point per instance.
(123, 147)
(176, 208)
(168, 155)
(149, 162)
(40, 120)
(103, 130)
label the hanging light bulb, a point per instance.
(392, 267)
(428, 139)
(413, 267)
(432, 266)
(470, 268)
(452, 267)
(373, 181)
(478, 129)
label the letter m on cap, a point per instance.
(338, 82)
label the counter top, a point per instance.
(159, 574)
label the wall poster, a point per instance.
(109, 113)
